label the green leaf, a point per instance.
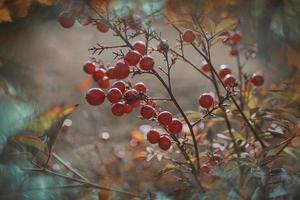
(225, 25)
(279, 191)
(211, 26)
(32, 141)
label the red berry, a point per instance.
(151, 102)
(175, 126)
(229, 80)
(131, 94)
(95, 96)
(99, 74)
(140, 47)
(224, 70)
(89, 67)
(236, 37)
(114, 95)
(66, 19)
(205, 67)
(188, 36)
(118, 109)
(110, 73)
(257, 79)
(128, 108)
(103, 83)
(102, 27)
(234, 52)
(120, 85)
(121, 70)
(136, 103)
(165, 118)
(163, 46)
(140, 87)
(215, 160)
(147, 63)
(132, 57)
(206, 100)
(153, 136)
(147, 112)
(164, 143)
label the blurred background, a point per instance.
(41, 64)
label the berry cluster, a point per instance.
(224, 72)
(125, 97)
(228, 79)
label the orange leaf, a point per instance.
(4, 14)
(86, 84)
(20, 8)
(138, 135)
(46, 2)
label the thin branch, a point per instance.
(84, 182)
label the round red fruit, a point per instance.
(102, 27)
(224, 70)
(257, 79)
(140, 87)
(153, 136)
(229, 80)
(132, 57)
(131, 95)
(66, 19)
(206, 100)
(151, 102)
(147, 63)
(136, 103)
(120, 85)
(110, 73)
(175, 126)
(118, 109)
(99, 74)
(188, 36)
(103, 83)
(147, 112)
(163, 46)
(236, 37)
(95, 96)
(164, 143)
(234, 52)
(205, 67)
(165, 118)
(114, 95)
(121, 70)
(128, 108)
(140, 47)
(89, 67)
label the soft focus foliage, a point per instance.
(10, 9)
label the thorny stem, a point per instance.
(194, 171)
